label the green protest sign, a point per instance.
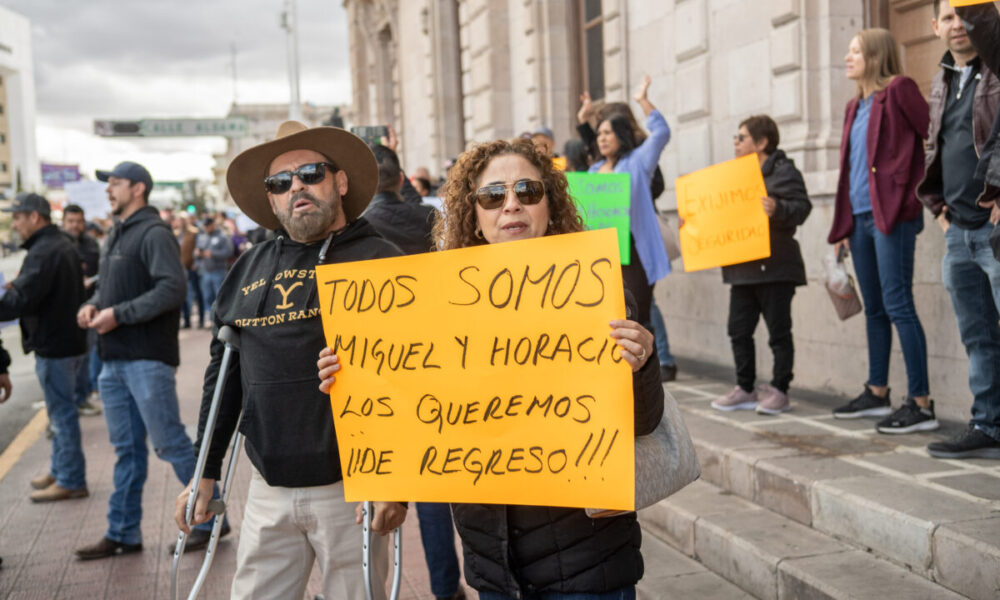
(603, 200)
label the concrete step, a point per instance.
(872, 493)
(773, 557)
(670, 574)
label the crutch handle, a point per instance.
(229, 336)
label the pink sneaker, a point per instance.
(772, 401)
(738, 399)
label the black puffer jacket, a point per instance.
(46, 295)
(520, 550)
(784, 183)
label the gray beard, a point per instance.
(311, 226)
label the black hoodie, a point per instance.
(269, 297)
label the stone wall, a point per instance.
(713, 63)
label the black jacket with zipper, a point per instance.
(985, 104)
(784, 183)
(46, 295)
(143, 279)
(269, 297)
(528, 550)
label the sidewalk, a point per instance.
(37, 540)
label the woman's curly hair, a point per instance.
(456, 226)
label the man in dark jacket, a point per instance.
(766, 287)
(45, 296)
(406, 223)
(75, 225)
(136, 312)
(965, 97)
(318, 183)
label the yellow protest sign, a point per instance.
(483, 375)
(724, 219)
(957, 3)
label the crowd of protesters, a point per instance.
(104, 316)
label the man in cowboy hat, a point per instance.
(310, 185)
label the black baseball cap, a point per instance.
(27, 202)
(134, 172)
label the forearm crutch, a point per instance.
(366, 558)
(231, 339)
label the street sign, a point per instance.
(231, 127)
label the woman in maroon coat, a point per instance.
(877, 215)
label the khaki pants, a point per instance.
(286, 529)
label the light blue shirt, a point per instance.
(640, 164)
(861, 200)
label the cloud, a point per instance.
(122, 59)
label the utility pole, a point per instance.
(289, 22)
(232, 49)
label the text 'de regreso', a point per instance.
(484, 374)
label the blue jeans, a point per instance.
(85, 382)
(140, 396)
(438, 537)
(211, 281)
(622, 594)
(660, 336)
(972, 277)
(884, 266)
(57, 377)
(94, 367)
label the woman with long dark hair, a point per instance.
(622, 152)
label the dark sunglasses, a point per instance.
(739, 137)
(493, 196)
(310, 174)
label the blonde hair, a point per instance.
(882, 63)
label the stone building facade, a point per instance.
(449, 73)
(19, 167)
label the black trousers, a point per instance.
(746, 305)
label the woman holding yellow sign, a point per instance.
(500, 192)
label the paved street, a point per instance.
(774, 462)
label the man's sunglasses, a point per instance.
(493, 196)
(310, 174)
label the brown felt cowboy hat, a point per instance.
(245, 176)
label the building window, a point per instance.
(3, 167)
(3, 138)
(593, 48)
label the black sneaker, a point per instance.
(972, 443)
(866, 404)
(668, 373)
(909, 418)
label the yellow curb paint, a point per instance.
(25, 438)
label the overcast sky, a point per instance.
(127, 59)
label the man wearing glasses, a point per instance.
(311, 185)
